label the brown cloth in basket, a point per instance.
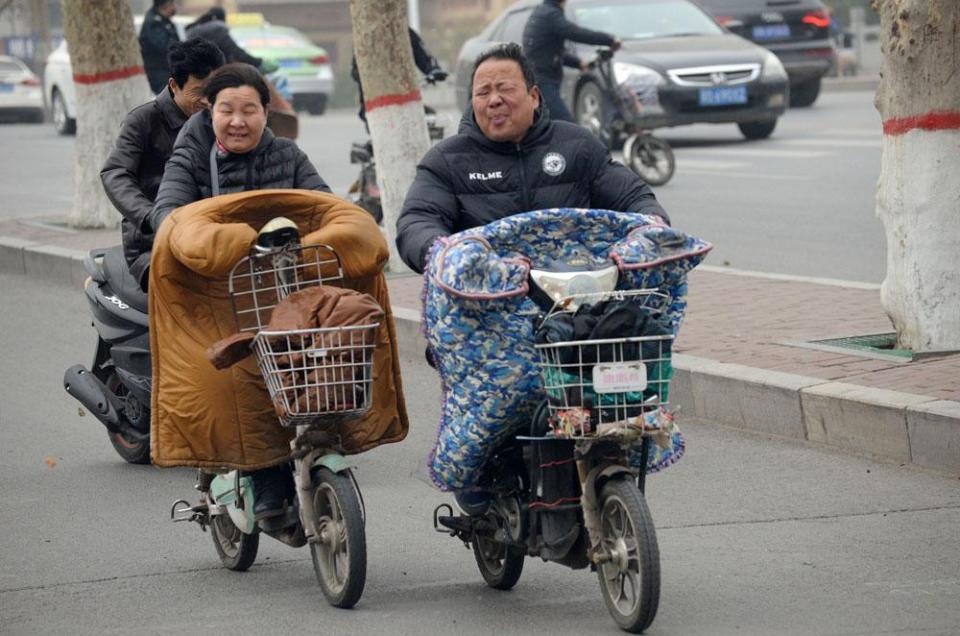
(317, 306)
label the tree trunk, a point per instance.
(109, 79)
(392, 98)
(918, 196)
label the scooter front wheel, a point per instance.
(340, 550)
(237, 550)
(630, 578)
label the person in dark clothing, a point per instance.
(427, 64)
(212, 26)
(544, 38)
(510, 157)
(232, 137)
(131, 175)
(229, 148)
(157, 34)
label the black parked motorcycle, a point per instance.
(116, 388)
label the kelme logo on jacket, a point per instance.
(554, 163)
(485, 176)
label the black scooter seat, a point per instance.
(121, 282)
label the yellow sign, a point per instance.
(245, 19)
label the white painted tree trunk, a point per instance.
(394, 108)
(108, 73)
(918, 196)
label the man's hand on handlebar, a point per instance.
(436, 75)
(617, 43)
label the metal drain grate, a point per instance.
(879, 345)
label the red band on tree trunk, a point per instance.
(941, 120)
(391, 100)
(107, 76)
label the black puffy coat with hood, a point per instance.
(468, 180)
(276, 162)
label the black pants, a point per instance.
(550, 93)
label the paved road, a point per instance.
(800, 203)
(757, 536)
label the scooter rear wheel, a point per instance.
(630, 580)
(237, 551)
(340, 551)
(499, 564)
(651, 158)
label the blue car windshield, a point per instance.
(640, 20)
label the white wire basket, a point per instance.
(318, 376)
(260, 281)
(608, 387)
(314, 376)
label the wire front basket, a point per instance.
(315, 376)
(260, 281)
(613, 386)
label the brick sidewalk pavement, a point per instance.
(748, 320)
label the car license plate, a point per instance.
(6, 88)
(619, 377)
(723, 95)
(771, 31)
(289, 63)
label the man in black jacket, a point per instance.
(132, 172)
(157, 35)
(509, 157)
(212, 26)
(544, 38)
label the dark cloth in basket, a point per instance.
(627, 318)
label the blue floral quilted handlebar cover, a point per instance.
(477, 318)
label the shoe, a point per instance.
(271, 491)
(472, 502)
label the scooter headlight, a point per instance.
(560, 285)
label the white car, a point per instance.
(59, 91)
(20, 94)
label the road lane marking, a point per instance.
(683, 170)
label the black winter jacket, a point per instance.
(544, 36)
(216, 32)
(276, 162)
(156, 35)
(467, 180)
(132, 172)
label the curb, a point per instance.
(888, 425)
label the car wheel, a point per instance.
(757, 129)
(62, 122)
(317, 105)
(805, 93)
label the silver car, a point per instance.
(20, 94)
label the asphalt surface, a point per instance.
(757, 536)
(801, 202)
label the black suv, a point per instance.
(797, 31)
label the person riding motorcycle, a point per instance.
(226, 149)
(544, 38)
(424, 60)
(132, 172)
(508, 157)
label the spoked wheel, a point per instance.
(651, 158)
(340, 551)
(237, 550)
(138, 414)
(500, 564)
(630, 580)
